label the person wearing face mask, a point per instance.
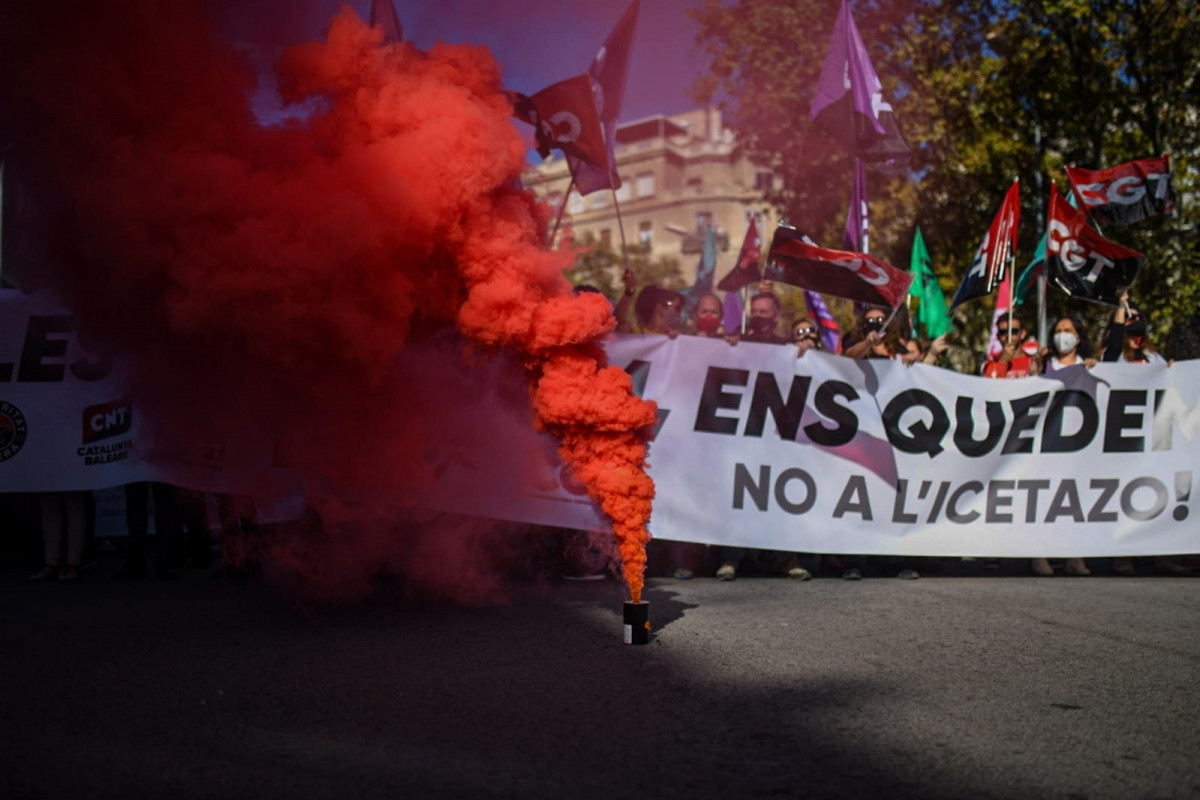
(805, 336)
(764, 316)
(1127, 341)
(1069, 346)
(707, 317)
(874, 337)
(765, 312)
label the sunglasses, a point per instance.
(801, 333)
(1004, 331)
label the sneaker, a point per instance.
(682, 574)
(796, 572)
(852, 574)
(727, 572)
(70, 573)
(47, 573)
(908, 575)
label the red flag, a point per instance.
(566, 119)
(856, 276)
(1080, 261)
(990, 265)
(1126, 193)
(1002, 305)
(745, 272)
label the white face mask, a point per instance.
(1065, 341)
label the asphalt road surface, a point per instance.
(945, 687)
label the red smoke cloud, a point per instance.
(266, 280)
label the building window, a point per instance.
(624, 194)
(646, 233)
(695, 183)
(704, 220)
(606, 238)
(762, 182)
(575, 203)
(598, 199)
(645, 184)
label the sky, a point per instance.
(537, 42)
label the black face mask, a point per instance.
(760, 326)
(1136, 328)
(873, 325)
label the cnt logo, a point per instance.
(12, 430)
(106, 420)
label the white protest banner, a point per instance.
(827, 454)
(66, 420)
(754, 448)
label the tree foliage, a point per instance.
(986, 91)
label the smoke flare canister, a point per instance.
(637, 623)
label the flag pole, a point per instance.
(1043, 333)
(620, 224)
(561, 208)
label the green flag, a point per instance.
(932, 316)
(1031, 272)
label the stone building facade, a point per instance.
(679, 174)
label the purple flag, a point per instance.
(731, 318)
(849, 103)
(831, 334)
(608, 71)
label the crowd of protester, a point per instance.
(884, 333)
(187, 538)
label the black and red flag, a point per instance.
(608, 71)
(849, 103)
(855, 276)
(1126, 193)
(1080, 261)
(746, 271)
(997, 249)
(564, 117)
(383, 14)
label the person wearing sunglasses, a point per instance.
(1017, 357)
(873, 336)
(659, 310)
(805, 336)
(1127, 343)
